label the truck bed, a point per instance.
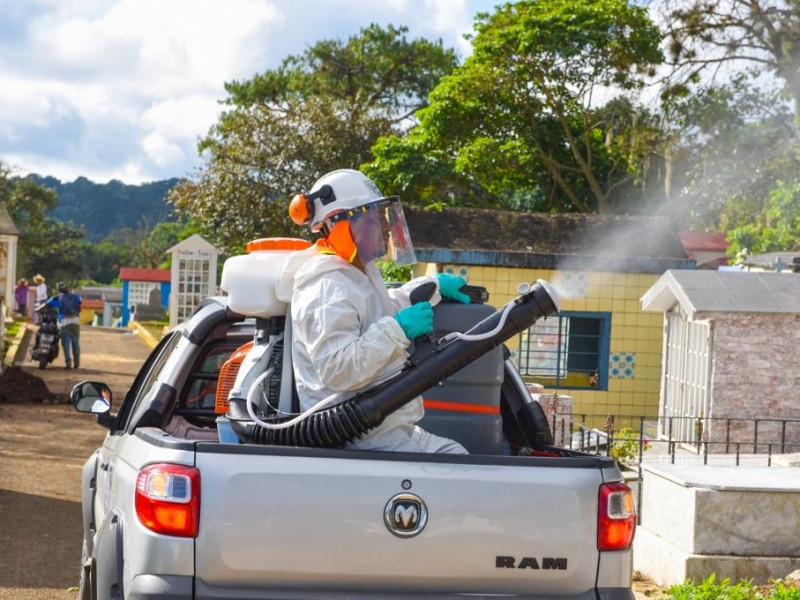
(314, 520)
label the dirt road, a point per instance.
(43, 445)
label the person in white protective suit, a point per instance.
(350, 332)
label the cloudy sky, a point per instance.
(122, 89)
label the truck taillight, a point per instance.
(616, 521)
(168, 499)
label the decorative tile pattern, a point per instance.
(571, 284)
(463, 271)
(621, 365)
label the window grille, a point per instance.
(193, 285)
(686, 377)
(139, 292)
(569, 350)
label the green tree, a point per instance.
(103, 261)
(46, 246)
(55, 249)
(27, 202)
(317, 112)
(765, 34)
(521, 116)
(161, 238)
(144, 247)
(775, 228)
(727, 145)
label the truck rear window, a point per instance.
(201, 386)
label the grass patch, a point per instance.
(710, 589)
(12, 330)
(154, 328)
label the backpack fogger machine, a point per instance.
(261, 370)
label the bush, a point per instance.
(743, 590)
(625, 445)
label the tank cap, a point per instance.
(277, 243)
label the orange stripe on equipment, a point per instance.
(478, 409)
(277, 243)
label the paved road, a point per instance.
(42, 450)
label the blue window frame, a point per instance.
(569, 351)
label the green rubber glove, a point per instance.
(449, 286)
(416, 320)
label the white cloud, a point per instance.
(178, 117)
(451, 18)
(160, 150)
(124, 88)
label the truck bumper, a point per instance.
(206, 593)
(161, 587)
(615, 594)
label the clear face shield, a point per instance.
(380, 231)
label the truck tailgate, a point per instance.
(274, 518)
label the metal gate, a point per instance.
(687, 373)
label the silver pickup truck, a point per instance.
(189, 497)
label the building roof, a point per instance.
(106, 293)
(194, 242)
(707, 249)
(131, 274)
(700, 292)
(774, 261)
(548, 241)
(703, 241)
(7, 225)
(92, 303)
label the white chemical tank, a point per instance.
(250, 279)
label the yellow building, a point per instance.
(602, 349)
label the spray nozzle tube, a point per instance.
(476, 337)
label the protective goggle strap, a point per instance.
(354, 212)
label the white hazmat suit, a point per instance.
(345, 340)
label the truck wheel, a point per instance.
(42, 361)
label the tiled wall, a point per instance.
(636, 336)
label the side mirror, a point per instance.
(91, 397)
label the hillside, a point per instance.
(103, 207)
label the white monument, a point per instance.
(193, 277)
(9, 235)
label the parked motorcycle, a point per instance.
(45, 346)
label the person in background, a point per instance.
(69, 324)
(350, 332)
(21, 296)
(41, 296)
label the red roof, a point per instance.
(129, 274)
(92, 303)
(703, 241)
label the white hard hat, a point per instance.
(335, 192)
